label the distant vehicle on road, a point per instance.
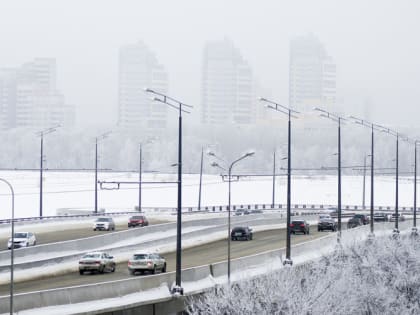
(22, 239)
(327, 223)
(242, 212)
(141, 262)
(380, 217)
(324, 216)
(241, 233)
(365, 219)
(256, 211)
(96, 261)
(138, 220)
(301, 226)
(401, 217)
(354, 222)
(104, 223)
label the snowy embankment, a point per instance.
(379, 276)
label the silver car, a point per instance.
(142, 262)
(96, 261)
(104, 223)
(22, 239)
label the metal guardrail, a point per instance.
(218, 208)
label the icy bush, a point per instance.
(381, 276)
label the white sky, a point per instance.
(375, 44)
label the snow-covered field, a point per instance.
(76, 190)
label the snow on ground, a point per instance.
(76, 190)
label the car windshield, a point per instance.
(21, 235)
(140, 256)
(103, 220)
(298, 222)
(238, 229)
(359, 216)
(138, 217)
(92, 255)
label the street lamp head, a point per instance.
(147, 90)
(250, 153)
(262, 99)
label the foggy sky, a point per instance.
(374, 43)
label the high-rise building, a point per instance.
(139, 68)
(7, 98)
(29, 97)
(312, 80)
(227, 86)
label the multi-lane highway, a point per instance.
(195, 256)
(70, 232)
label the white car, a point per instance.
(97, 261)
(22, 239)
(142, 262)
(104, 223)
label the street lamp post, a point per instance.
(179, 106)
(337, 119)
(140, 176)
(273, 200)
(97, 139)
(201, 179)
(364, 184)
(13, 245)
(397, 137)
(287, 111)
(41, 165)
(214, 164)
(372, 128)
(414, 229)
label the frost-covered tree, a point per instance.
(374, 277)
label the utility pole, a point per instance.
(364, 184)
(97, 139)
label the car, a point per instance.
(380, 217)
(241, 212)
(324, 216)
(326, 223)
(141, 262)
(22, 239)
(299, 225)
(401, 217)
(241, 233)
(138, 220)
(365, 219)
(96, 262)
(355, 221)
(104, 223)
(256, 211)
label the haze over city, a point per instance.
(373, 44)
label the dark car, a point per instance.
(327, 224)
(241, 233)
(380, 217)
(363, 217)
(138, 220)
(354, 222)
(300, 226)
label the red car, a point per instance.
(137, 220)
